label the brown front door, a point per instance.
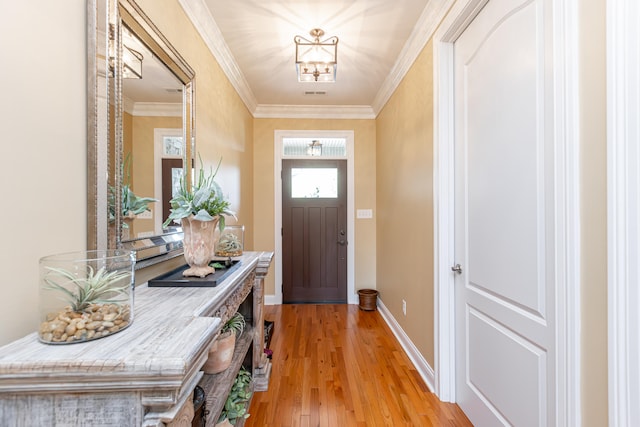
(314, 231)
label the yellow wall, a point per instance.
(364, 188)
(404, 179)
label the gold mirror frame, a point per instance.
(105, 19)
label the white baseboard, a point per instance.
(276, 300)
(421, 365)
(272, 300)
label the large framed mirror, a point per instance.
(140, 131)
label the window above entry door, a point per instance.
(314, 147)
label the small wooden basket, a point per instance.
(368, 299)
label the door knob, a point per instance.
(457, 269)
(342, 242)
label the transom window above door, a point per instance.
(314, 147)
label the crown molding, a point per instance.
(158, 109)
(151, 109)
(198, 12)
(265, 111)
(431, 17)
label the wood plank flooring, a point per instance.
(335, 366)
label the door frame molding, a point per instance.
(158, 155)
(277, 167)
(567, 215)
(623, 204)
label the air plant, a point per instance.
(96, 288)
(229, 243)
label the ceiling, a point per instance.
(253, 42)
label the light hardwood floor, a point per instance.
(336, 365)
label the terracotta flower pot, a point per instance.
(198, 243)
(220, 353)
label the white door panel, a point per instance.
(504, 202)
(522, 366)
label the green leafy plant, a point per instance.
(217, 266)
(235, 324)
(131, 205)
(96, 288)
(235, 407)
(204, 201)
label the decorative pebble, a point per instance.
(97, 321)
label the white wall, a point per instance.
(43, 172)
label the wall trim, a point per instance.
(567, 216)
(443, 192)
(198, 12)
(420, 363)
(264, 111)
(155, 109)
(623, 209)
(271, 300)
(427, 24)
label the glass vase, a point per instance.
(231, 241)
(85, 295)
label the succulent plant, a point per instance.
(96, 288)
(235, 324)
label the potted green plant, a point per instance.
(199, 210)
(221, 351)
(236, 405)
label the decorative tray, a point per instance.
(175, 278)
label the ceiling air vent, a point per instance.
(318, 92)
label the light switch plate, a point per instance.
(364, 213)
(145, 215)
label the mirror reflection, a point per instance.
(152, 142)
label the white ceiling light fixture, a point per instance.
(316, 61)
(315, 148)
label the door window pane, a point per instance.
(176, 181)
(314, 183)
(172, 145)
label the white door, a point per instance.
(505, 320)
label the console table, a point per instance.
(144, 375)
